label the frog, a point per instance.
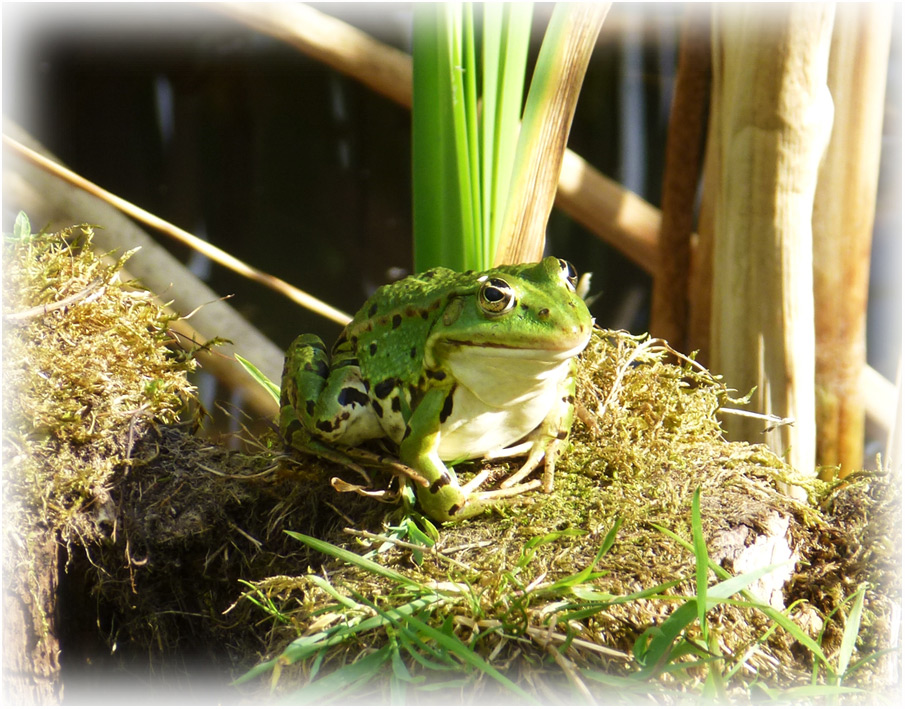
(447, 366)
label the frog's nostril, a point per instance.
(543, 313)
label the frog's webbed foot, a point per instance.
(541, 449)
(478, 502)
(352, 457)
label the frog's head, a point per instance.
(524, 319)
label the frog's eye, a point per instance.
(569, 274)
(496, 296)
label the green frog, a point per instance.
(449, 366)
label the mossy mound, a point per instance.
(87, 369)
(178, 554)
(528, 586)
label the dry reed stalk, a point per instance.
(669, 312)
(774, 124)
(843, 223)
(550, 105)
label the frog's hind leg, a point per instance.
(325, 409)
(327, 395)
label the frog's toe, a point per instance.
(535, 456)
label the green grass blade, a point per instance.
(850, 635)
(307, 645)
(776, 616)
(434, 206)
(603, 600)
(814, 690)
(701, 561)
(351, 557)
(457, 647)
(588, 573)
(330, 590)
(260, 377)
(472, 200)
(491, 61)
(507, 121)
(657, 651)
(343, 681)
(506, 36)
(463, 148)
(459, 245)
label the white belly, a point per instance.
(519, 404)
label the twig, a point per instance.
(774, 420)
(232, 476)
(39, 310)
(152, 220)
(578, 642)
(567, 666)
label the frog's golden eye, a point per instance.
(496, 296)
(569, 274)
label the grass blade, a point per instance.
(850, 635)
(457, 647)
(434, 207)
(307, 645)
(351, 557)
(507, 33)
(259, 377)
(344, 680)
(776, 616)
(701, 559)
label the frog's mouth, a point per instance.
(498, 349)
(538, 353)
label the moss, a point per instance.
(87, 369)
(181, 544)
(648, 436)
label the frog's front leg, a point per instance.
(547, 439)
(443, 499)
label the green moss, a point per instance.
(174, 528)
(648, 435)
(87, 368)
